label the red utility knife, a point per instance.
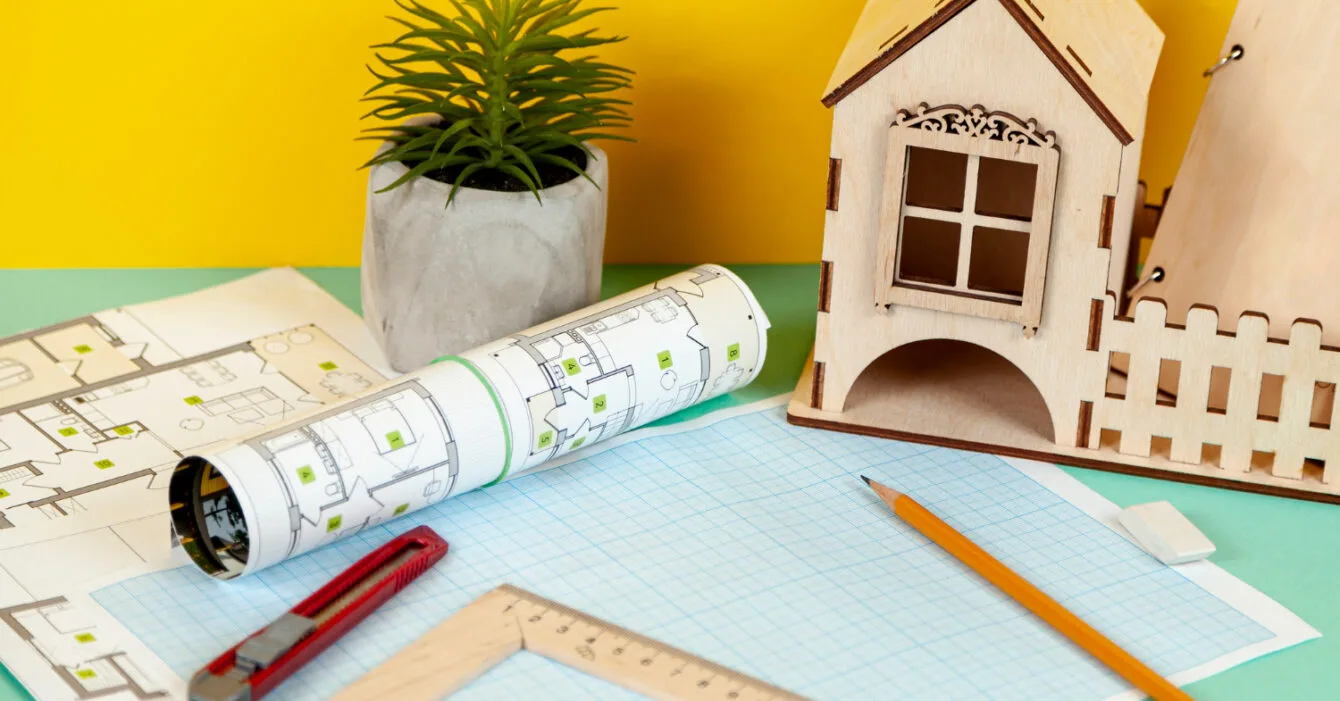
(255, 666)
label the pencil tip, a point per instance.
(867, 480)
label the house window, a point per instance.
(966, 221)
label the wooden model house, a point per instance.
(982, 182)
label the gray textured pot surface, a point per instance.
(438, 280)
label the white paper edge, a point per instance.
(1288, 628)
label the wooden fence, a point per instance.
(1238, 400)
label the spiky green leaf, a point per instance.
(490, 84)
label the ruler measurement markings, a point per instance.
(508, 619)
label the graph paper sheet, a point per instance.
(754, 544)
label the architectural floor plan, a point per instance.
(589, 378)
(74, 648)
(116, 425)
(362, 463)
(95, 414)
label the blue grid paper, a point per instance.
(752, 543)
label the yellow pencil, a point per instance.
(1029, 596)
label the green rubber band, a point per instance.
(497, 406)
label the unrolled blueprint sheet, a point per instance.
(753, 543)
(95, 413)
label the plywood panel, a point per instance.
(1253, 216)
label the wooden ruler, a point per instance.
(507, 620)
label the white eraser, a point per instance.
(1165, 533)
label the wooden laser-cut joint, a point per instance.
(1085, 424)
(1105, 222)
(825, 284)
(1078, 61)
(834, 183)
(817, 391)
(894, 38)
(1095, 325)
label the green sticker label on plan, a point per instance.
(598, 404)
(306, 474)
(103, 464)
(84, 638)
(3, 494)
(123, 430)
(571, 367)
(68, 431)
(193, 400)
(664, 359)
(83, 348)
(333, 524)
(546, 439)
(395, 440)
(401, 509)
(577, 443)
(85, 674)
(733, 352)
(328, 366)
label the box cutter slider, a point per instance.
(255, 666)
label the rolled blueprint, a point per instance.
(467, 421)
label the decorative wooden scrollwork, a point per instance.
(976, 122)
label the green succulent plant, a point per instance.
(495, 93)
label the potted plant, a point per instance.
(486, 200)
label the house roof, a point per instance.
(1107, 49)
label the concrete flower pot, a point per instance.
(438, 280)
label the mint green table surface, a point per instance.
(1288, 549)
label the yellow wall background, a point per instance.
(168, 133)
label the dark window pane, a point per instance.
(936, 179)
(1005, 188)
(928, 251)
(999, 260)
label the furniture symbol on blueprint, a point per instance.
(982, 185)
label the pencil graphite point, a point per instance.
(884, 493)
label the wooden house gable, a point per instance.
(1106, 49)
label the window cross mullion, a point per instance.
(929, 213)
(965, 230)
(1002, 223)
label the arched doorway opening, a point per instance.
(955, 389)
